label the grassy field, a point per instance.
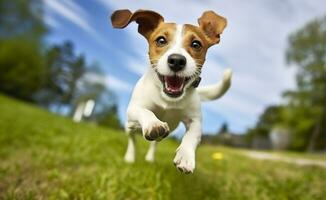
(43, 156)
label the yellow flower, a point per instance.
(217, 156)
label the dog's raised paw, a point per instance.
(156, 131)
(184, 160)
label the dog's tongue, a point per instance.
(174, 83)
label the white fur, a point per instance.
(215, 91)
(150, 107)
(150, 155)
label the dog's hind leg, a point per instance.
(131, 148)
(151, 152)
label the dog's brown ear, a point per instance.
(213, 25)
(147, 20)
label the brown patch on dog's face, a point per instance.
(160, 41)
(195, 43)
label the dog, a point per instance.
(167, 93)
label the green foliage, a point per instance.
(108, 117)
(301, 121)
(21, 60)
(44, 156)
(306, 111)
(63, 71)
(52, 77)
(21, 68)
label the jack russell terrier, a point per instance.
(167, 93)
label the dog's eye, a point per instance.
(161, 41)
(196, 45)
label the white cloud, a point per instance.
(71, 11)
(75, 7)
(253, 45)
(49, 20)
(117, 84)
(109, 81)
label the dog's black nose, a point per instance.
(176, 62)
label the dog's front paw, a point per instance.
(156, 131)
(184, 160)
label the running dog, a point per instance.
(167, 93)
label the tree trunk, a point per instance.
(314, 136)
(315, 133)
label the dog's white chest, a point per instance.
(171, 116)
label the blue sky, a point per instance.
(253, 45)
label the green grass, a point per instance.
(43, 156)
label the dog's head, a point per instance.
(177, 52)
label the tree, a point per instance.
(22, 69)
(21, 18)
(106, 109)
(91, 86)
(304, 112)
(271, 117)
(108, 117)
(64, 70)
(307, 103)
(224, 129)
(21, 60)
(52, 77)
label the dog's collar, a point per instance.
(196, 82)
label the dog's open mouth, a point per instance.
(173, 85)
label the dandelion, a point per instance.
(217, 156)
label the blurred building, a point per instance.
(280, 138)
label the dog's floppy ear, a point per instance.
(147, 20)
(213, 25)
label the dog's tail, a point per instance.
(212, 92)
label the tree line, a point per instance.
(303, 112)
(50, 75)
